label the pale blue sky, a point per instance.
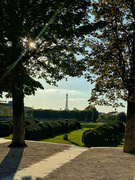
(55, 97)
(51, 97)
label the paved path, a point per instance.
(2, 140)
(50, 161)
(46, 166)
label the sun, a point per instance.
(32, 44)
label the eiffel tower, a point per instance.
(66, 107)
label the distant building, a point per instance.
(66, 106)
(10, 105)
(5, 104)
(75, 109)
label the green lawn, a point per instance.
(9, 137)
(74, 137)
(86, 126)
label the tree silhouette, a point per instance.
(111, 62)
(39, 39)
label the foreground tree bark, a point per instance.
(18, 139)
(129, 145)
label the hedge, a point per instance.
(44, 129)
(6, 128)
(35, 129)
(102, 134)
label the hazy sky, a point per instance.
(51, 97)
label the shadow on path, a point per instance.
(11, 162)
(29, 178)
(73, 143)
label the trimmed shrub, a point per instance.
(121, 127)
(31, 122)
(55, 127)
(35, 129)
(73, 124)
(32, 132)
(5, 129)
(102, 134)
(11, 126)
(44, 129)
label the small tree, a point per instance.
(122, 117)
(94, 111)
(5, 111)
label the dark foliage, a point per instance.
(85, 115)
(44, 129)
(102, 134)
(5, 129)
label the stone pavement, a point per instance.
(44, 167)
(50, 161)
(2, 140)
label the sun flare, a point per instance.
(32, 44)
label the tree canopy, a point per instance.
(39, 39)
(111, 61)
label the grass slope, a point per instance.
(74, 137)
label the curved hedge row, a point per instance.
(44, 129)
(102, 134)
(35, 129)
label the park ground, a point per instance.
(97, 163)
(102, 163)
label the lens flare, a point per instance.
(32, 44)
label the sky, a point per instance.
(78, 90)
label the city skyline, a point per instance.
(78, 90)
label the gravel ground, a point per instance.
(93, 164)
(98, 164)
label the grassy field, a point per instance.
(75, 137)
(86, 126)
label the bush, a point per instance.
(102, 134)
(30, 122)
(122, 117)
(44, 129)
(73, 124)
(11, 126)
(5, 129)
(35, 129)
(32, 131)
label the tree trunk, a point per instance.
(18, 139)
(129, 145)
